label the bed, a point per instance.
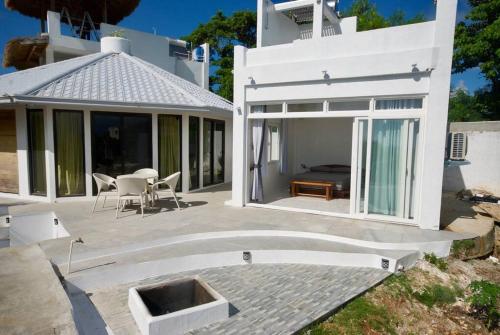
(338, 175)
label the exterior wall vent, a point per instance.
(458, 146)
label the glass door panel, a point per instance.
(169, 146)
(218, 152)
(121, 143)
(136, 142)
(213, 152)
(194, 152)
(362, 138)
(36, 152)
(69, 153)
(386, 171)
(207, 152)
(387, 167)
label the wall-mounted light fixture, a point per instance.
(247, 256)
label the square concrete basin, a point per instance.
(176, 307)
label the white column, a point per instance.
(436, 117)
(22, 151)
(261, 13)
(239, 129)
(318, 19)
(50, 164)
(87, 147)
(154, 132)
(185, 153)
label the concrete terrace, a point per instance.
(308, 253)
(203, 212)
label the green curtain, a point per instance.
(387, 168)
(37, 152)
(169, 145)
(69, 153)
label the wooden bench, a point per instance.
(319, 189)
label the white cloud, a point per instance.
(461, 86)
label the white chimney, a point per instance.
(115, 44)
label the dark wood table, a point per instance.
(319, 189)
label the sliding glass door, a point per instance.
(386, 166)
(194, 152)
(36, 152)
(69, 153)
(213, 151)
(169, 146)
(121, 142)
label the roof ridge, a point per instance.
(165, 80)
(65, 73)
(183, 79)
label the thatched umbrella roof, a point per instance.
(109, 11)
(24, 52)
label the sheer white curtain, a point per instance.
(388, 166)
(399, 104)
(259, 167)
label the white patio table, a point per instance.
(146, 177)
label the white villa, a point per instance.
(108, 112)
(358, 118)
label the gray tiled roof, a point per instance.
(113, 77)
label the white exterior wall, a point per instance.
(483, 156)
(405, 61)
(22, 146)
(332, 147)
(149, 47)
(152, 48)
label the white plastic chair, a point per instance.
(171, 181)
(131, 189)
(105, 186)
(149, 172)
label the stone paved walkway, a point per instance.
(266, 299)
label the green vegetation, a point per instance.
(462, 248)
(223, 33)
(355, 318)
(437, 295)
(117, 33)
(440, 263)
(369, 18)
(399, 286)
(485, 300)
(477, 41)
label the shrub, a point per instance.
(485, 301)
(436, 295)
(440, 263)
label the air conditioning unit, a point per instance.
(458, 146)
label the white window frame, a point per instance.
(370, 115)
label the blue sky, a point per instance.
(179, 18)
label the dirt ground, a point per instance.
(414, 317)
(396, 306)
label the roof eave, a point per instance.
(97, 103)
